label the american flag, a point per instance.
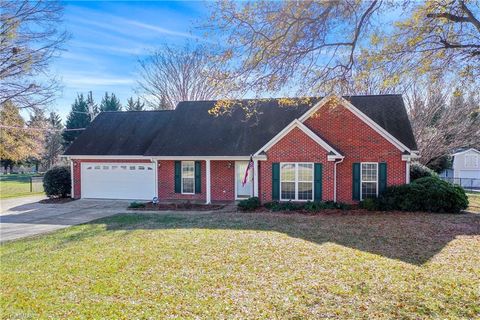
(250, 166)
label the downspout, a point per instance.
(335, 179)
(72, 178)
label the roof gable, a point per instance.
(333, 154)
(390, 124)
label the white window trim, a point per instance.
(181, 177)
(296, 181)
(361, 179)
(475, 162)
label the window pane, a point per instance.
(288, 191)
(369, 190)
(188, 169)
(287, 172)
(305, 191)
(188, 185)
(305, 172)
(369, 172)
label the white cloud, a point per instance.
(82, 81)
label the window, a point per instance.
(114, 167)
(296, 181)
(188, 177)
(132, 167)
(369, 180)
(141, 168)
(105, 167)
(149, 168)
(471, 161)
(97, 167)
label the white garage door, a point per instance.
(118, 180)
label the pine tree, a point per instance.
(53, 140)
(110, 103)
(135, 105)
(77, 119)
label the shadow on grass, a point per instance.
(410, 237)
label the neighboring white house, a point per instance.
(466, 168)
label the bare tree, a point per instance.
(323, 46)
(171, 75)
(29, 38)
(442, 121)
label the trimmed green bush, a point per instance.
(308, 206)
(429, 194)
(136, 205)
(418, 170)
(57, 182)
(249, 204)
(369, 204)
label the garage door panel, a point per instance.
(118, 181)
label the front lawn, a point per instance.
(473, 201)
(245, 265)
(18, 185)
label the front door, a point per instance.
(243, 191)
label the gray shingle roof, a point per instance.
(191, 131)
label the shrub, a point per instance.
(57, 182)
(429, 194)
(308, 206)
(249, 204)
(369, 204)
(418, 170)
(136, 205)
(283, 206)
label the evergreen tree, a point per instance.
(110, 103)
(77, 119)
(53, 140)
(133, 105)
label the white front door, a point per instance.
(243, 191)
(118, 180)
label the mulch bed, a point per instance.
(179, 207)
(56, 200)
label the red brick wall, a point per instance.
(354, 139)
(222, 181)
(166, 182)
(296, 146)
(77, 166)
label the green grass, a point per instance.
(17, 185)
(473, 201)
(244, 266)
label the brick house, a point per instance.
(343, 149)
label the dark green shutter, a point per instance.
(178, 177)
(198, 177)
(317, 179)
(356, 181)
(275, 181)
(382, 177)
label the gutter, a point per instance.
(335, 179)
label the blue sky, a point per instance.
(107, 38)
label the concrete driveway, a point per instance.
(23, 217)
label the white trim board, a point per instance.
(297, 124)
(465, 151)
(372, 124)
(154, 158)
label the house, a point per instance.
(343, 149)
(466, 168)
